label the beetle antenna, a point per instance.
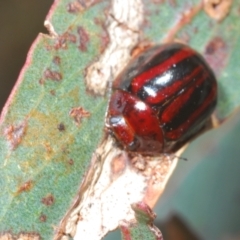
(181, 158)
(175, 156)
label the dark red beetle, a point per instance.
(161, 99)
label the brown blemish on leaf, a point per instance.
(158, 1)
(78, 114)
(25, 187)
(171, 2)
(21, 236)
(104, 40)
(214, 46)
(71, 38)
(104, 36)
(41, 81)
(60, 43)
(63, 40)
(15, 134)
(217, 9)
(52, 92)
(57, 60)
(83, 39)
(52, 75)
(70, 162)
(61, 127)
(43, 218)
(216, 54)
(48, 200)
(76, 7)
(185, 18)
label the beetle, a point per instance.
(161, 99)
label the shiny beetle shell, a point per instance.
(161, 99)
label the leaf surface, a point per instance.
(50, 125)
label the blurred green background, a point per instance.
(202, 198)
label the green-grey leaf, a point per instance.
(44, 147)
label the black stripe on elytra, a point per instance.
(161, 57)
(177, 72)
(149, 59)
(196, 99)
